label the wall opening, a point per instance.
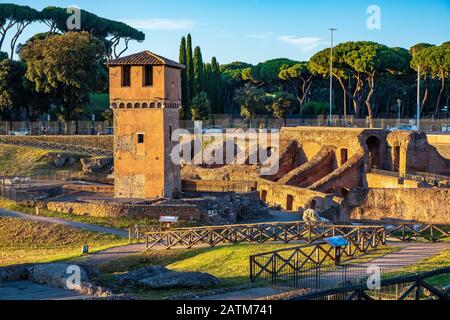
(396, 160)
(176, 194)
(148, 76)
(140, 150)
(313, 204)
(373, 143)
(290, 203)
(344, 156)
(264, 196)
(126, 76)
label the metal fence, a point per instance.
(290, 264)
(393, 286)
(11, 140)
(221, 120)
(56, 127)
(228, 121)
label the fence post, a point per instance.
(252, 276)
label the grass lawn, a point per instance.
(16, 160)
(24, 241)
(229, 263)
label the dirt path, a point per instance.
(108, 255)
(74, 224)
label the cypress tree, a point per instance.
(198, 72)
(217, 83)
(190, 68)
(184, 82)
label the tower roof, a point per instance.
(145, 58)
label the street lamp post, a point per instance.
(331, 76)
(399, 107)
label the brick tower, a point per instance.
(145, 96)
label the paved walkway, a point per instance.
(108, 255)
(25, 290)
(74, 224)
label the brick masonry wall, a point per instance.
(277, 194)
(108, 210)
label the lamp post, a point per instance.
(331, 76)
(399, 107)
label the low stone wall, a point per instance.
(421, 205)
(381, 181)
(116, 210)
(89, 188)
(293, 198)
(218, 186)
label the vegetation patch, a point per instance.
(23, 241)
(17, 160)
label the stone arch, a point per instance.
(313, 204)
(114, 106)
(152, 105)
(145, 105)
(129, 105)
(176, 194)
(374, 144)
(137, 105)
(159, 105)
(343, 156)
(122, 106)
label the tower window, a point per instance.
(126, 76)
(140, 138)
(148, 76)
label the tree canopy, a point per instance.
(64, 67)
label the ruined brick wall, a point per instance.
(116, 210)
(292, 198)
(381, 181)
(442, 144)
(347, 177)
(415, 154)
(421, 205)
(89, 188)
(218, 186)
(320, 166)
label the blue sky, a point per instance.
(257, 30)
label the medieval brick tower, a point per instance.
(145, 95)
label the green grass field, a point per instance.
(16, 160)
(24, 241)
